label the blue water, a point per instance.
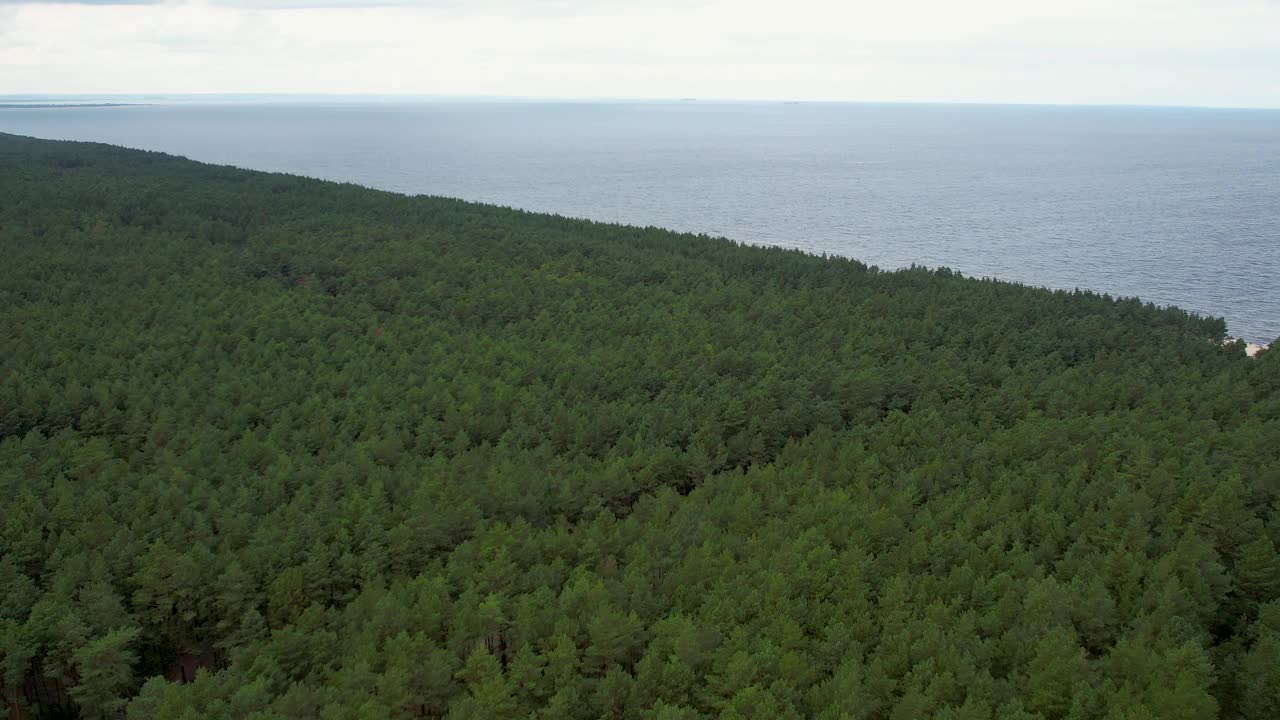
(1176, 206)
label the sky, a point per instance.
(1143, 52)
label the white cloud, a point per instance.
(1139, 51)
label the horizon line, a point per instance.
(490, 97)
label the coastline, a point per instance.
(1251, 349)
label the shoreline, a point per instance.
(1251, 349)
(895, 264)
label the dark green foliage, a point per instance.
(325, 452)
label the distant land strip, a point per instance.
(36, 106)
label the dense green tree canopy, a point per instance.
(278, 448)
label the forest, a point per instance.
(272, 447)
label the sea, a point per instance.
(1177, 206)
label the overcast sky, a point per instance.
(1180, 52)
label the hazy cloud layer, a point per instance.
(80, 2)
(553, 8)
(1139, 51)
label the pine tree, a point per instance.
(105, 668)
(1257, 571)
(1259, 681)
(1056, 673)
(489, 696)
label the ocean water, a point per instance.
(1175, 206)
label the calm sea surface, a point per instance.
(1176, 206)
